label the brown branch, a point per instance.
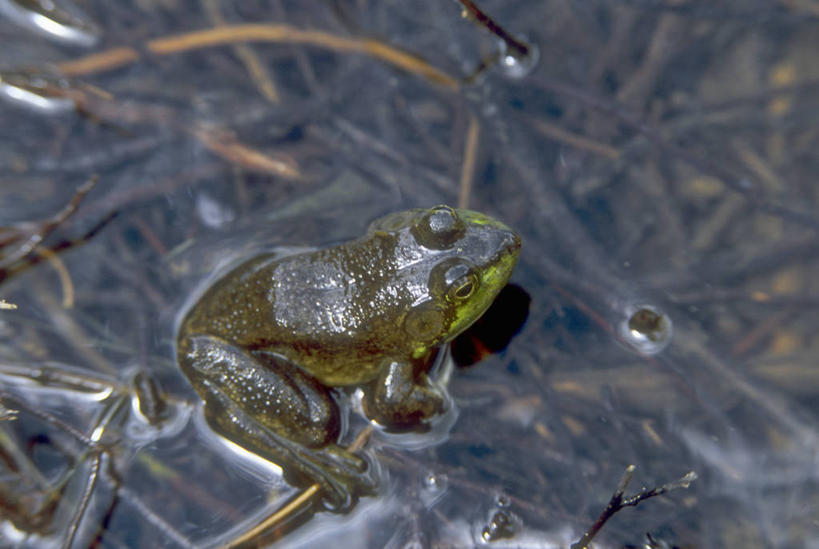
(518, 48)
(618, 502)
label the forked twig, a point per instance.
(43, 229)
(618, 501)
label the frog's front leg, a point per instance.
(268, 406)
(402, 397)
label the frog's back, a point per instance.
(325, 310)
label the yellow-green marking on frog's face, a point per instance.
(266, 342)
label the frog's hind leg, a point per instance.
(270, 407)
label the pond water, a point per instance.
(657, 157)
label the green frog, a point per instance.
(270, 344)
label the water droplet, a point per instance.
(503, 524)
(517, 64)
(646, 329)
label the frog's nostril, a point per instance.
(503, 244)
(512, 240)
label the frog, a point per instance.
(270, 346)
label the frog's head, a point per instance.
(459, 259)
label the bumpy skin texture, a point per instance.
(265, 343)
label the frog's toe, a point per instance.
(346, 477)
(364, 471)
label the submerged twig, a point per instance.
(302, 500)
(263, 33)
(32, 238)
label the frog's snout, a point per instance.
(503, 245)
(507, 242)
(512, 241)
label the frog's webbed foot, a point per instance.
(342, 476)
(270, 407)
(402, 400)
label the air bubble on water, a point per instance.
(213, 214)
(502, 524)
(516, 64)
(433, 487)
(433, 481)
(646, 329)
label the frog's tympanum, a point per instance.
(267, 343)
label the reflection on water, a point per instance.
(58, 20)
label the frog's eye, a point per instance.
(461, 282)
(438, 228)
(463, 288)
